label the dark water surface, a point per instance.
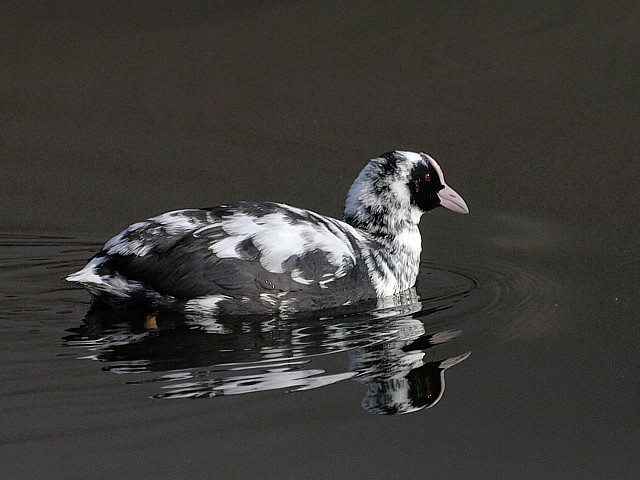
(526, 310)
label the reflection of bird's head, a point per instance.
(421, 388)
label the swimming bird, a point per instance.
(252, 258)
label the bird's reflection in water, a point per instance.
(388, 346)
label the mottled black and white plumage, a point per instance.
(245, 258)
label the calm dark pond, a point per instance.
(526, 310)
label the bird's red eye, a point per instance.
(427, 177)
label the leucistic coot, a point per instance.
(251, 258)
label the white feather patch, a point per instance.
(205, 304)
(178, 222)
(277, 239)
(88, 274)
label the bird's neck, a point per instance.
(383, 222)
(395, 248)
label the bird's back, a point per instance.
(238, 258)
